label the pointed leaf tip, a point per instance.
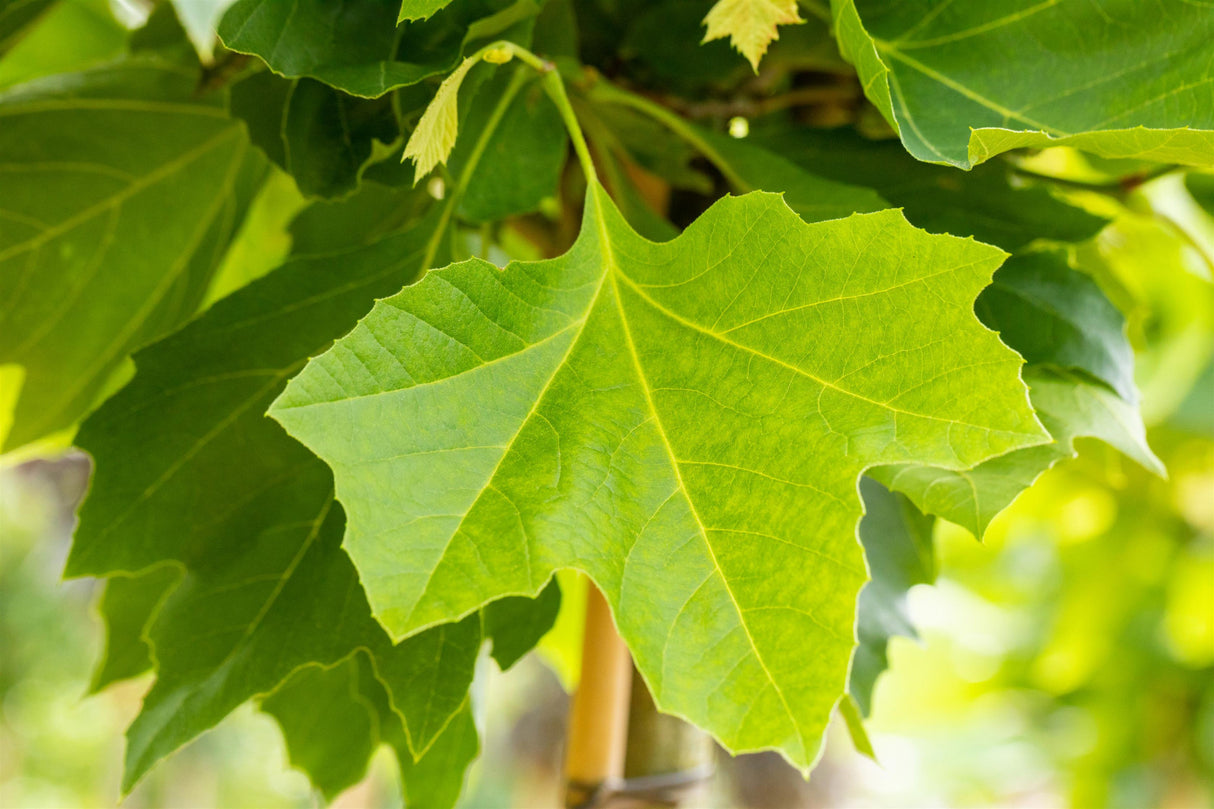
(751, 25)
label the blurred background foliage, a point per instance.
(1068, 660)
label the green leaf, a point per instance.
(17, 17)
(334, 719)
(64, 36)
(420, 9)
(1070, 407)
(330, 726)
(517, 624)
(684, 422)
(813, 197)
(983, 203)
(751, 25)
(520, 165)
(1081, 384)
(320, 136)
(1053, 315)
(1201, 187)
(355, 46)
(121, 191)
(434, 137)
(434, 781)
(897, 541)
(266, 587)
(126, 606)
(962, 82)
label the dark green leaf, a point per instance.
(982, 203)
(121, 193)
(963, 82)
(127, 606)
(897, 541)
(517, 624)
(356, 46)
(320, 136)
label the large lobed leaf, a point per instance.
(685, 422)
(962, 82)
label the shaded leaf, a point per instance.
(696, 392)
(121, 192)
(517, 624)
(983, 203)
(355, 46)
(266, 587)
(320, 136)
(127, 606)
(1122, 79)
(897, 541)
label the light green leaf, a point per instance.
(420, 9)
(434, 137)
(751, 25)
(1060, 321)
(962, 82)
(121, 191)
(684, 422)
(1070, 407)
(17, 17)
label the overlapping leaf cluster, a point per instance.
(691, 399)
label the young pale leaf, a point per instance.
(434, 137)
(962, 82)
(685, 422)
(751, 25)
(120, 192)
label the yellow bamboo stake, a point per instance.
(598, 720)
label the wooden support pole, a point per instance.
(598, 720)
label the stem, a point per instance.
(598, 720)
(555, 87)
(608, 93)
(478, 150)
